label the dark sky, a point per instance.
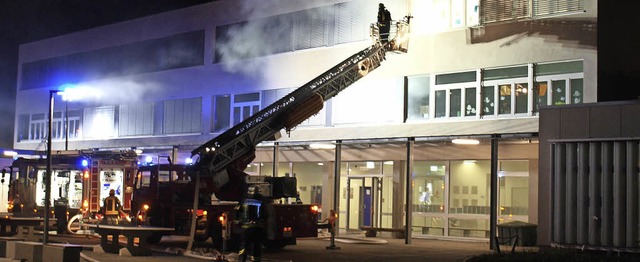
(24, 21)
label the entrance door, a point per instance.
(366, 205)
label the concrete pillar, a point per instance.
(61, 252)
(28, 251)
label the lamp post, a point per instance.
(47, 189)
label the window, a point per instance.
(559, 92)
(513, 189)
(539, 95)
(222, 116)
(492, 11)
(245, 105)
(455, 95)
(455, 103)
(171, 52)
(522, 98)
(135, 120)
(418, 89)
(561, 81)
(551, 7)
(576, 91)
(99, 122)
(488, 100)
(470, 101)
(441, 103)
(504, 106)
(182, 116)
(233, 109)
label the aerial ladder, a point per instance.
(221, 160)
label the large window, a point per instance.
(418, 97)
(171, 52)
(34, 126)
(135, 120)
(513, 190)
(182, 116)
(99, 122)
(492, 11)
(469, 196)
(233, 109)
(559, 84)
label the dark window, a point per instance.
(176, 51)
(222, 118)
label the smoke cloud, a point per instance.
(121, 90)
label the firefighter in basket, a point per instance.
(253, 218)
(111, 209)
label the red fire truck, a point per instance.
(79, 182)
(163, 196)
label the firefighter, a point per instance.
(111, 209)
(384, 23)
(254, 217)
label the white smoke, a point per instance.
(121, 90)
(243, 47)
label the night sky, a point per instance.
(24, 21)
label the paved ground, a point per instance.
(352, 248)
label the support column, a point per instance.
(632, 194)
(493, 215)
(336, 193)
(276, 159)
(408, 198)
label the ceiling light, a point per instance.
(464, 141)
(322, 146)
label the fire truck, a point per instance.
(164, 194)
(79, 181)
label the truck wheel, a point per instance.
(274, 245)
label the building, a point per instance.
(475, 70)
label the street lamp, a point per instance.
(47, 189)
(69, 93)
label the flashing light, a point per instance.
(314, 208)
(205, 213)
(188, 161)
(145, 207)
(86, 174)
(84, 163)
(148, 159)
(10, 153)
(140, 217)
(221, 219)
(71, 92)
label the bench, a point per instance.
(21, 226)
(372, 231)
(109, 237)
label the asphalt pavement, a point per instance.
(350, 247)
